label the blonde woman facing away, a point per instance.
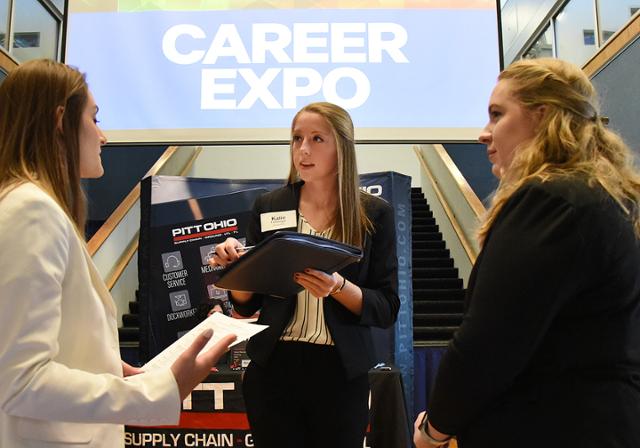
(62, 378)
(548, 353)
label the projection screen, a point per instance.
(185, 71)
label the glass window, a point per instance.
(614, 15)
(4, 20)
(575, 39)
(543, 47)
(35, 32)
(589, 37)
(60, 5)
(2, 75)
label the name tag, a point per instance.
(278, 220)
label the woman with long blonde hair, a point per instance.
(307, 383)
(548, 353)
(62, 377)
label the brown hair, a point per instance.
(33, 146)
(350, 224)
(570, 141)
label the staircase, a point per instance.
(438, 293)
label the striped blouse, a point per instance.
(307, 323)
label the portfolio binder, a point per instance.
(268, 268)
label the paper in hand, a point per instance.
(222, 325)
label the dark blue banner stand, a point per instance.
(182, 218)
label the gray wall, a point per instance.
(471, 159)
(618, 84)
(124, 166)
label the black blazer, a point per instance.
(376, 274)
(548, 353)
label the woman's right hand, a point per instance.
(191, 367)
(226, 252)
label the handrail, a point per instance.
(616, 43)
(470, 196)
(7, 62)
(121, 210)
(132, 248)
(123, 261)
(466, 244)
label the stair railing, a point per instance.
(114, 246)
(450, 195)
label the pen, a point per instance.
(244, 248)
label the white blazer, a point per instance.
(60, 370)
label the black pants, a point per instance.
(303, 399)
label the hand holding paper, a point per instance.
(189, 369)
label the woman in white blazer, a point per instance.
(61, 377)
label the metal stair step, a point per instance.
(433, 236)
(128, 334)
(422, 213)
(425, 228)
(421, 262)
(437, 319)
(131, 320)
(435, 272)
(437, 283)
(431, 253)
(134, 307)
(422, 221)
(433, 333)
(438, 306)
(419, 205)
(437, 294)
(428, 245)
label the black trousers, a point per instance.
(303, 399)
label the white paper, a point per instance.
(222, 325)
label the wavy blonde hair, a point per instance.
(570, 141)
(33, 147)
(350, 223)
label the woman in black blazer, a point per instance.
(548, 353)
(307, 383)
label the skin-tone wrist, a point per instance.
(437, 434)
(320, 284)
(350, 295)
(421, 440)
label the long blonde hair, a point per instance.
(570, 141)
(350, 223)
(33, 147)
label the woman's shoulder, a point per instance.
(280, 196)
(573, 191)
(572, 198)
(28, 195)
(375, 204)
(29, 205)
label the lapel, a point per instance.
(98, 284)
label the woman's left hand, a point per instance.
(419, 439)
(129, 370)
(318, 283)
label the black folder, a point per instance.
(268, 268)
